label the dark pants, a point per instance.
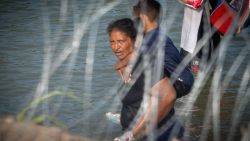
(181, 89)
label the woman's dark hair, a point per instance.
(125, 25)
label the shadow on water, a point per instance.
(63, 45)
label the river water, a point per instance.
(24, 38)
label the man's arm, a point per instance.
(167, 96)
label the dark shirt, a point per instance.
(172, 56)
(132, 100)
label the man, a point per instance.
(161, 88)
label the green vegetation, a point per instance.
(38, 119)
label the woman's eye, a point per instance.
(121, 41)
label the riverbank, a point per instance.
(11, 130)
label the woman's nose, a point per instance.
(116, 46)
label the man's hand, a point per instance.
(127, 136)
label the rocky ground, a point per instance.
(11, 130)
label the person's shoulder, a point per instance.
(163, 33)
(169, 42)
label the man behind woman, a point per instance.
(155, 62)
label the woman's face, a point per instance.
(121, 44)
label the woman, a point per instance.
(122, 34)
